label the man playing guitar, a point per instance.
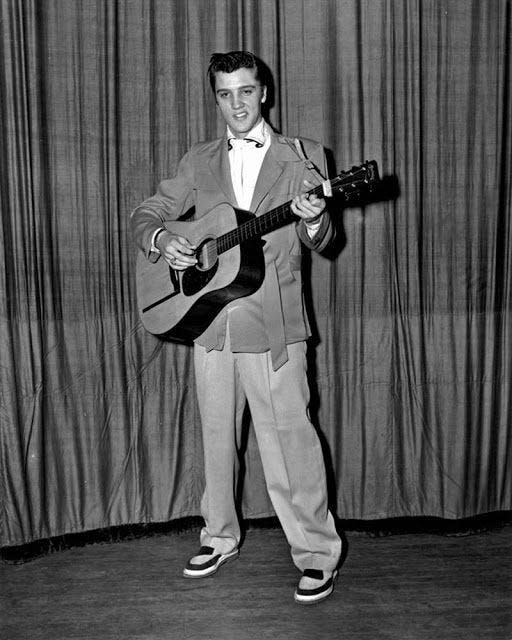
(254, 348)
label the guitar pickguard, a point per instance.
(193, 280)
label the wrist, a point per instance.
(313, 221)
(158, 236)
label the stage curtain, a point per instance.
(411, 360)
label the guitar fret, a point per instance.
(257, 226)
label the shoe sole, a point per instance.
(204, 573)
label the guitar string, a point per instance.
(262, 224)
(258, 225)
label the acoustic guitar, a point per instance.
(180, 305)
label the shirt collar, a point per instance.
(258, 134)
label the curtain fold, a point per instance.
(411, 360)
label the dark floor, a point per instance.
(410, 587)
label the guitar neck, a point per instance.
(363, 177)
(261, 225)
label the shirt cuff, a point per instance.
(313, 227)
(154, 248)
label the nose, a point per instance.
(236, 101)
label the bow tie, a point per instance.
(257, 143)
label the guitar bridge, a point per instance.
(174, 290)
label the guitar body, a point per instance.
(180, 305)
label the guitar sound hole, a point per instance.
(206, 254)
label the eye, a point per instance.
(223, 94)
(247, 92)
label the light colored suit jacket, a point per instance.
(273, 316)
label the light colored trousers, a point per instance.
(289, 446)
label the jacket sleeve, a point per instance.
(325, 233)
(172, 199)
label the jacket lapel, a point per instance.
(270, 172)
(219, 166)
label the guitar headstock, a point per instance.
(356, 181)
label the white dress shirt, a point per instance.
(245, 160)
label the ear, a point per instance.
(264, 96)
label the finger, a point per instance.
(310, 184)
(176, 266)
(305, 209)
(180, 262)
(178, 243)
(172, 255)
(294, 206)
(186, 260)
(184, 246)
(180, 249)
(313, 200)
(317, 203)
(299, 209)
(302, 203)
(311, 205)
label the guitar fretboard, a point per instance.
(260, 225)
(346, 182)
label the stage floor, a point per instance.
(402, 587)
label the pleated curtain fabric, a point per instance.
(412, 313)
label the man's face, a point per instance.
(239, 97)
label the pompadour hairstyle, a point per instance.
(232, 61)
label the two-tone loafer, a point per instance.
(314, 586)
(206, 562)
